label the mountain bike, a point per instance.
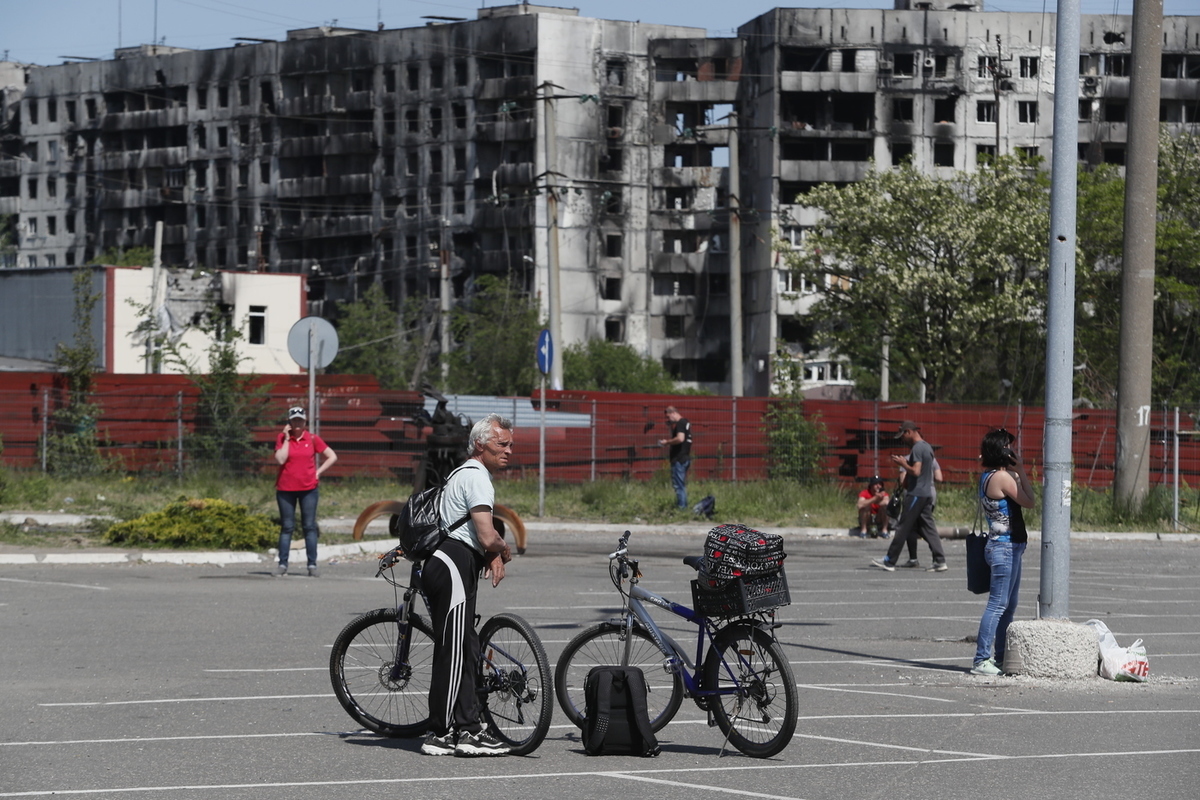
(744, 681)
(382, 663)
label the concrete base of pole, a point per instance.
(1051, 648)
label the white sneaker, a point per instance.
(987, 667)
(480, 744)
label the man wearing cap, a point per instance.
(295, 452)
(916, 518)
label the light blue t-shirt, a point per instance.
(469, 486)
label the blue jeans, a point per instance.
(1005, 560)
(679, 481)
(287, 522)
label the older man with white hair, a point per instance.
(451, 580)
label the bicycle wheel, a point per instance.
(388, 700)
(514, 683)
(604, 645)
(759, 715)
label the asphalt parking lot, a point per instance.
(149, 680)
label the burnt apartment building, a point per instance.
(359, 157)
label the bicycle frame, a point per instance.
(675, 654)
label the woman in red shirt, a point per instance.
(299, 476)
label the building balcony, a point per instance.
(309, 187)
(497, 260)
(357, 225)
(506, 130)
(674, 219)
(507, 88)
(140, 159)
(490, 216)
(697, 91)
(159, 118)
(824, 171)
(515, 174)
(679, 262)
(683, 177)
(175, 234)
(827, 81)
(310, 106)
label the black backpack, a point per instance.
(419, 527)
(616, 721)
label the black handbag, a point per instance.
(979, 574)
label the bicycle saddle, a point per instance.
(696, 563)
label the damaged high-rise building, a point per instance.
(359, 157)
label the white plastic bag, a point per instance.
(1120, 663)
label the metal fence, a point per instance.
(154, 423)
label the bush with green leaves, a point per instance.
(796, 443)
(197, 523)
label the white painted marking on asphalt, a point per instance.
(57, 583)
(865, 691)
(1014, 712)
(491, 778)
(186, 700)
(277, 669)
(682, 785)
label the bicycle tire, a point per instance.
(515, 692)
(604, 644)
(764, 676)
(360, 668)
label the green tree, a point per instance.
(374, 340)
(1176, 371)
(71, 444)
(8, 240)
(605, 366)
(229, 405)
(953, 271)
(132, 257)
(796, 443)
(495, 332)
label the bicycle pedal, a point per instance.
(712, 721)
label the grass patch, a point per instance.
(767, 503)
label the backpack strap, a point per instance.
(603, 710)
(641, 716)
(466, 516)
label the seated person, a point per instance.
(872, 507)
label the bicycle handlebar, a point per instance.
(622, 547)
(387, 561)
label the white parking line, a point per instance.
(57, 583)
(631, 774)
(681, 785)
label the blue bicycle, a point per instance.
(744, 681)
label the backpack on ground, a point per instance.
(419, 526)
(706, 507)
(616, 721)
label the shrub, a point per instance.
(193, 523)
(796, 443)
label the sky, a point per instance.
(42, 31)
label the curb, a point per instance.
(372, 545)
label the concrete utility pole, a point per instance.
(444, 316)
(553, 280)
(153, 355)
(1054, 590)
(736, 359)
(1135, 356)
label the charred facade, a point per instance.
(360, 157)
